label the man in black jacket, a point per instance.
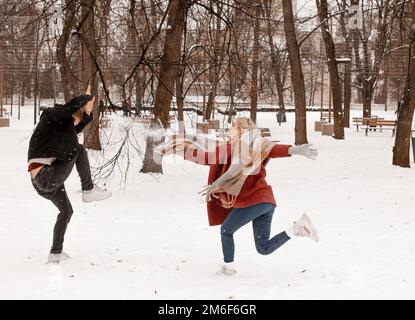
(53, 152)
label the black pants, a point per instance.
(49, 183)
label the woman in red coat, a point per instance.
(237, 192)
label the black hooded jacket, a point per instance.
(55, 135)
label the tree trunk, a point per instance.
(68, 24)
(214, 72)
(366, 82)
(335, 87)
(170, 61)
(231, 72)
(140, 87)
(170, 66)
(180, 98)
(368, 72)
(19, 101)
(11, 98)
(401, 150)
(367, 94)
(89, 72)
(132, 56)
(355, 33)
(255, 63)
(2, 67)
(106, 7)
(347, 85)
(149, 163)
(23, 94)
(280, 91)
(36, 103)
(385, 84)
(210, 106)
(297, 77)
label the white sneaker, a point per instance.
(304, 228)
(228, 269)
(95, 194)
(58, 257)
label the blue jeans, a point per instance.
(261, 216)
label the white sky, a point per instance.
(306, 7)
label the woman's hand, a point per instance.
(169, 146)
(304, 150)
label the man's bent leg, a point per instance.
(83, 168)
(61, 169)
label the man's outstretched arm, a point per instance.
(60, 112)
(87, 118)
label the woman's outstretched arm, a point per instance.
(286, 150)
(192, 148)
(280, 151)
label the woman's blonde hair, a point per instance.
(244, 124)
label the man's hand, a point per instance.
(89, 106)
(304, 150)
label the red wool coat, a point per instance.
(254, 190)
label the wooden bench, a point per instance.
(223, 133)
(358, 121)
(265, 132)
(325, 116)
(373, 124)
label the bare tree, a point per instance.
(276, 58)
(1, 78)
(168, 73)
(368, 60)
(333, 71)
(61, 48)
(347, 82)
(89, 69)
(407, 105)
(215, 57)
(255, 60)
(170, 60)
(297, 77)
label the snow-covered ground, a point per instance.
(151, 240)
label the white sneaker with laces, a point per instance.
(95, 194)
(58, 257)
(304, 228)
(228, 269)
